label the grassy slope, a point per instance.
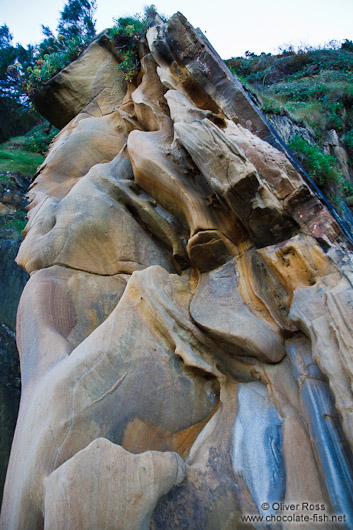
(315, 89)
(15, 158)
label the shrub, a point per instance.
(76, 29)
(15, 157)
(334, 119)
(125, 35)
(320, 166)
(39, 138)
(65, 51)
(347, 45)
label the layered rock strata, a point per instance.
(185, 335)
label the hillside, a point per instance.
(307, 95)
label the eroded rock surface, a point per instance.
(185, 335)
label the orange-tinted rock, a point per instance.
(93, 75)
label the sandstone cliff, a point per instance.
(185, 335)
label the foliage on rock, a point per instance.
(322, 167)
(23, 70)
(75, 31)
(46, 66)
(125, 34)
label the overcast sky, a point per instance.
(232, 26)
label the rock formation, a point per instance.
(185, 335)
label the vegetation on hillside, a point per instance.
(16, 156)
(14, 104)
(75, 30)
(314, 88)
(23, 70)
(19, 160)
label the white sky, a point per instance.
(232, 26)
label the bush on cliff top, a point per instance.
(54, 53)
(125, 35)
(64, 52)
(75, 30)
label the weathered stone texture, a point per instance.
(185, 335)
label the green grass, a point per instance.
(317, 102)
(322, 167)
(314, 88)
(14, 157)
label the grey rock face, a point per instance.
(257, 446)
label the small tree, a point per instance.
(14, 104)
(76, 29)
(126, 33)
(76, 20)
(347, 45)
(13, 62)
